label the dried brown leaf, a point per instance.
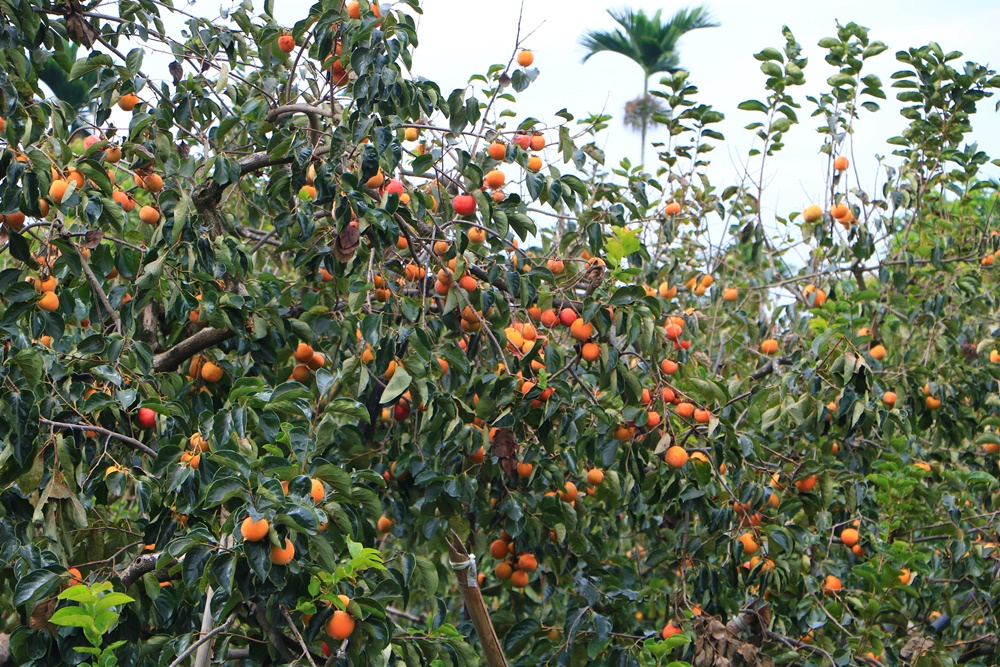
(93, 238)
(42, 613)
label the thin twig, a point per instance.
(206, 638)
(97, 429)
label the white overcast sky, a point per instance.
(459, 38)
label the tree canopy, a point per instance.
(307, 361)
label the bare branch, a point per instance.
(97, 429)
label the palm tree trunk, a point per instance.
(645, 121)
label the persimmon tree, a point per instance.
(292, 335)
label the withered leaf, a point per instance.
(748, 652)
(505, 448)
(176, 71)
(916, 646)
(79, 30)
(93, 238)
(42, 613)
(346, 243)
(183, 150)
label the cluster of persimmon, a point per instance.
(308, 360)
(515, 566)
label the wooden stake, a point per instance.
(465, 568)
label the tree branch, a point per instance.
(96, 286)
(207, 637)
(140, 566)
(170, 359)
(97, 429)
(277, 639)
(288, 109)
(770, 367)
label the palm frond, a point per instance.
(647, 40)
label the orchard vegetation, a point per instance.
(286, 332)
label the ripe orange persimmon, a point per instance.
(889, 398)
(685, 409)
(527, 563)
(812, 213)
(841, 163)
(832, 584)
(498, 150)
(152, 183)
(494, 179)
(750, 546)
(149, 214)
(48, 301)
(211, 372)
(300, 373)
(303, 353)
(672, 208)
(524, 470)
(519, 579)
(128, 101)
(498, 549)
(670, 629)
(850, 537)
(676, 457)
(878, 352)
(57, 190)
(669, 366)
(284, 556)
(590, 352)
(581, 330)
(595, 476)
(569, 492)
(549, 318)
(254, 531)
(341, 625)
(730, 294)
(525, 58)
(318, 491)
(807, 484)
(702, 416)
(534, 163)
(769, 346)
(286, 43)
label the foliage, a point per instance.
(306, 331)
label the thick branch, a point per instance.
(170, 359)
(140, 566)
(97, 429)
(474, 602)
(769, 367)
(289, 109)
(278, 640)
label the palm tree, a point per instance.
(652, 45)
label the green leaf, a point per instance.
(74, 617)
(92, 63)
(36, 586)
(349, 406)
(399, 383)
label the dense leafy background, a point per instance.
(428, 408)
